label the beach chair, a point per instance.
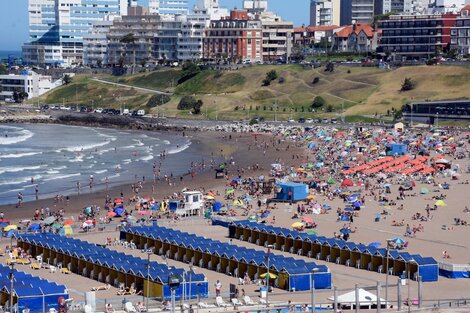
(380, 269)
(291, 250)
(248, 300)
(283, 248)
(300, 252)
(348, 262)
(35, 266)
(52, 310)
(310, 254)
(338, 260)
(87, 309)
(203, 305)
(130, 308)
(220, 302)
(103, 287)
(64, 270)
(236, 302)
(262, 301)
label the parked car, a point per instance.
(309, 121)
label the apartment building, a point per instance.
(325, 12)
(416, 36)
(277, 37)
(460, 34)
(236, 37)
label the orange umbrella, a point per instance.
(111, 214)
(69, 223)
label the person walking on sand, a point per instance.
(218, 288)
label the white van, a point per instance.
(125, 112)
(141, 113)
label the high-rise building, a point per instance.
(168, 7)
(57, 28)
(95, 44)
(447, 6)
(324, 12)
(277, 37)
(363, 11)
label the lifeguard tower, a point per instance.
(191, 204)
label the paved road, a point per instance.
(129, 86)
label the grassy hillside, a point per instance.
(360, 92)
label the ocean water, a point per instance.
(56, 157)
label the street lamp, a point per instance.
(386, 270)
(267, 275)
(12, 279)
(312, 287)
(149, 252)
(190, 281)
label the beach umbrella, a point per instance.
(312, 232)
(347, 183)
(440, 203)
(311, 145)
(248, 199)
(119, 211)
(375, 244)
(349, 209)
(311, 197)
(397, 241)
(87, 224)
(130, 218)
(326, 206)
(352, 199)
(49, 220)
(345, 230)
(265, 214)
(230, 191)
(238, 202)
(317, 206)
(118, 200)
(331, 181)
(387, 185)
(66, 231)
(297, 225)
(424, 191)
(442, 161)
(143, 213)
(69, 223)
(307, 220)
(10, 227)
(57, 225)
(356, 204)
(210, 197)
(216, 206)
(87, 210)
(111, 214)
(253, 218)
(271, 276)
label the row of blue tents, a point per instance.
(112, 267)
(29, 292)
(290, 274)
(371, 258)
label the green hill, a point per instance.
(359, 91)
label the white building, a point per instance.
(255, 6)
(461, 32)
(446, 6)
(405, 7)
(30, 82)
(277, 37)
(193, 28)
(95, 44)
(324, 12)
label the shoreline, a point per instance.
(209, 142)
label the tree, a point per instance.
(316, 80)
(407, 84)
(3, 69)
(19, 96)
(318, 102)
(329, 108)
(188, 71)
(67, 79)
(197, 107)
(330, 67)
(270, 76)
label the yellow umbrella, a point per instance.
(271, 276)
(440, 203)
(300, 169)
(373, 149)
(310, 197)
(297, 225)
(210, 198)
(10, 227)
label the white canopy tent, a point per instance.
(367, 300)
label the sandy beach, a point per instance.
(436, 233)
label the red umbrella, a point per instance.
(111, 214)
(143, 212)
(307, 220)
(69, 223)
(347, 183)
(117, 200)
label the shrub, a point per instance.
(188, 71)
(349, 72)
(318, 102)
(253, 121)
(157, 100)
(281, 80)
(329, 108)
(407, 84)
(190, 103)
(330, 67)
(316, 80)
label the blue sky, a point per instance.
(14, 19)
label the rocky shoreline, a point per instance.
(92, 120)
